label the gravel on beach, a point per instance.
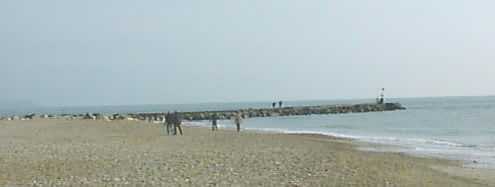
(101, 153)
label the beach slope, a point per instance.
(97, 153)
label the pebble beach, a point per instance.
(55, 152)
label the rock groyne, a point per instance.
(274, 112)
(225, 114)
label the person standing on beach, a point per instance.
(280, 103)
(164, 124)
(169, 123)
(237, 121)
(214, 122)
(177, 123)
(274, 104)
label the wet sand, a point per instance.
(99, 153)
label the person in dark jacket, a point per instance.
(177, 123)
(214, 122)
(169, 123)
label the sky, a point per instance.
(120, 52)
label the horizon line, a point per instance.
(266, 101)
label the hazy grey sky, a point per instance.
(93, 52)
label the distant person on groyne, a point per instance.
(274, 104)
(280, 103)
(238, 121)
(177, 123)
(214, 122)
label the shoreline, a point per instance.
(456, 167)
(95, 153)
(453, 167)
(370, 146)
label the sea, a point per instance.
(457, 128)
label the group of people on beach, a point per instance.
(173, 122)
(237, 120)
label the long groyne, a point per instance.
(227, 114)
(273, 112)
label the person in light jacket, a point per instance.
(238, 121)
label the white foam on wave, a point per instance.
(220, 124)
(195, 123)
(286, 131)
(372, 139)
(414, 141)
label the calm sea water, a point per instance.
(451, 127)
